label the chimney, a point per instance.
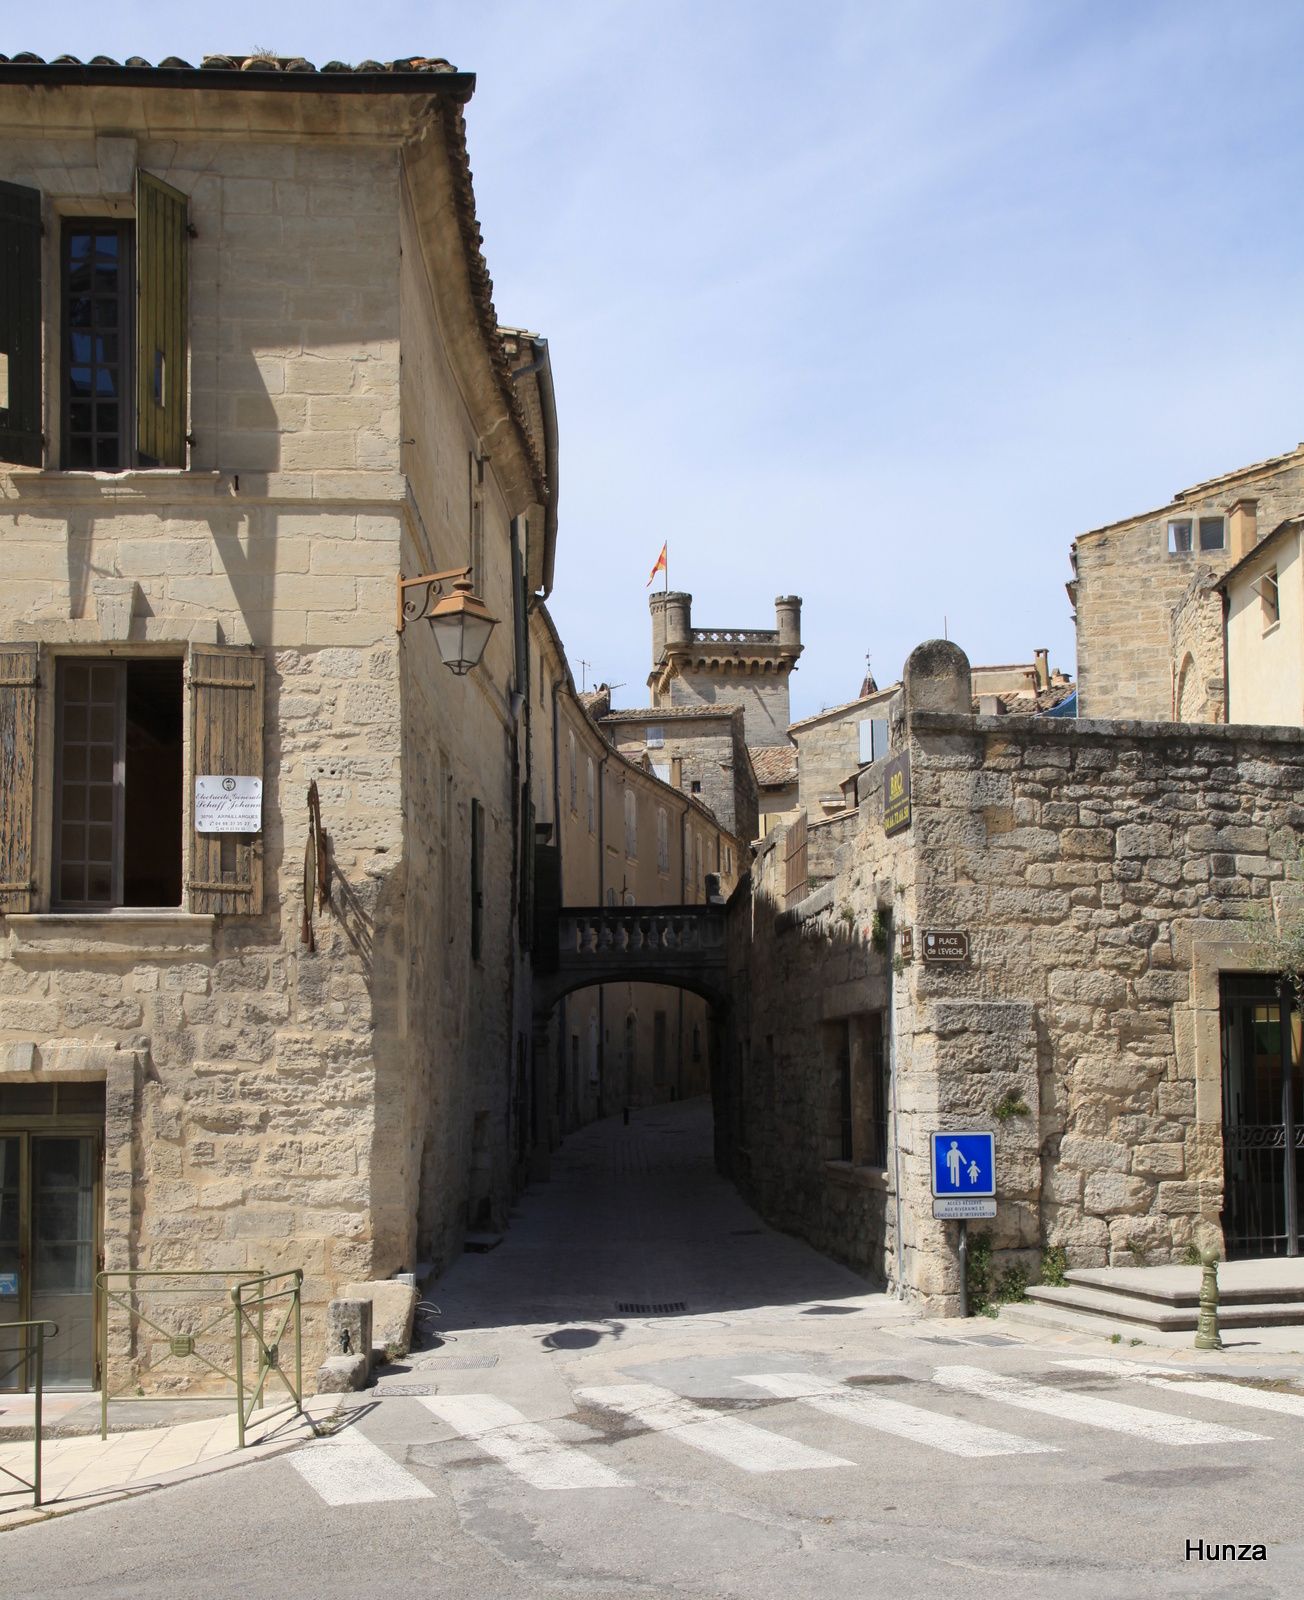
(1243, 527)
(1042, 659)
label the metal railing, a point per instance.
(31, 1349)
(191, 1326)
(251, 1300)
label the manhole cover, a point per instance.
(990, 1338)
(651, 1308)
(387, 1390)
(457, 1363)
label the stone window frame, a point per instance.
(1192, 543)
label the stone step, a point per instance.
(1141, 1284)
(1117, 1306)
(1033, 1314)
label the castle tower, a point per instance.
(747, 667)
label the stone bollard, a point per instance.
(1207, 1336)
(348, 1347)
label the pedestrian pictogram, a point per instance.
(964, 1164)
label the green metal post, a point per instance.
(40, 1381)
(239, 1369)
(298, 1340)
(101, 1291)
(1207, 1336)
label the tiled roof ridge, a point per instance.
(1198, 491)
(255, 61)
(482, 288)
(660, 713)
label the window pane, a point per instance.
(1179, 537)
(1211, 533)
(100, 763)
(72, 883)
(99, 884)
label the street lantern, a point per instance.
(460, 621)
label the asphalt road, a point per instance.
(788, 1434)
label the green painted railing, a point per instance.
(30, 1364)
(200, 1322)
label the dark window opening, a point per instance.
(97, 272)
(118, 783)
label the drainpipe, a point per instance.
(893, 1064)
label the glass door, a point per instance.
(1263, 1118)
(49, 1211)
(11, 1262)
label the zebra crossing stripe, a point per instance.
(351, 1471)
(1169, 1378)
(742, 1444)
(952, 1434)
(1089, 1410)
(526, 1449)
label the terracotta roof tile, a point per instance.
(241, 62)
(774, 765)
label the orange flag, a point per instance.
(661, 566)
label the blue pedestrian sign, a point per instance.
(964, 1164)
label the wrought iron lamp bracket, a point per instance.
(414, 609)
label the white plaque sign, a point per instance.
(228, 805)
(963, 1205)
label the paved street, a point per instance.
(785, 1434)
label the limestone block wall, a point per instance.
(1103, 873)
(1196, 633)
(829, 749)
(349, 1109)
(1127, 584)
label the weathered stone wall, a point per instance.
(829, 751)
(1102, 872)
(1196, 650)
(1127, 584)
(346, 1110)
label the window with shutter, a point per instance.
(20, 325)
(226, 740)
(161, 300)
(17, 751)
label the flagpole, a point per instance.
(666, 590)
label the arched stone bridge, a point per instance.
(683, 946)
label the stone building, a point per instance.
(254, 375)
(611, 831)
(1107, 1021)
(747, 667)
(1148, 623)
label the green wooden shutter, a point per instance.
(18, 664)
(20, 325)
(226, 740)
(161, 303)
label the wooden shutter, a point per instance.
(226, 740)
(477, 879)
(20, 325)
(17, 771)
(161, 380)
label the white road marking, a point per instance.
(1289, 1405)
(1088, 1409)
(351, 1471)
(952, 1434)
(742, 1444)
(526, 1449)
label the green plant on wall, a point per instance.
(987, 1289)
(1276, 937)
(1011, 1104)
(1054, 1265)
(878, 933)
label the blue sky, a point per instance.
(879, 304)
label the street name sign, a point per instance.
(946, 945)
(964, 1164)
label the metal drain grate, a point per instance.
(651, 1308)
(385, 1391)
(456, 1363)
